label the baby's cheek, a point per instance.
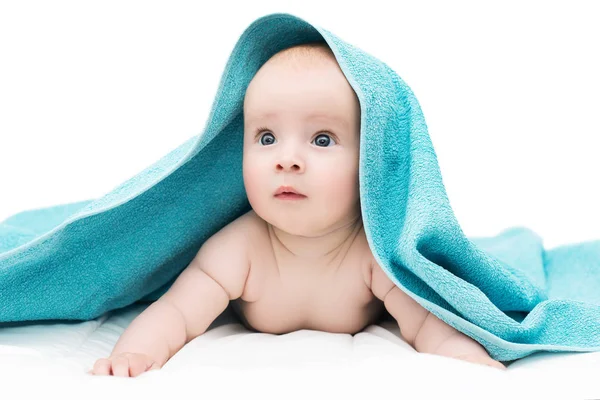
(249, 179)
(342, 181)
(253, 183)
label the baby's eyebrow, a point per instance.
(322, 116)
(331, 117)
(258, 117)
(327, 116)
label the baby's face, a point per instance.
(302, 129)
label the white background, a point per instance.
(92, 93)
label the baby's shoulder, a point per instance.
(251, 225)
(224, 257)
(242, 231)
(365, 255)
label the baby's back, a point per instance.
(282, 295)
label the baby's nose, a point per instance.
(293, 166)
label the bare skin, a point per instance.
(310, 261)
(284, 295)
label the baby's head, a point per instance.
(302, 129)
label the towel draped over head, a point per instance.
(77, 261)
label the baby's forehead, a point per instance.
(278, 79)
(277, 84)
(285, 71)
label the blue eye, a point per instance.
(322, 139)
(261, 141)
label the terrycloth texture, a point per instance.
(78, 261)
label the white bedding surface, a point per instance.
(230, 361)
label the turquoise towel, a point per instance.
(77, 261)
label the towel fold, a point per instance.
(77, 261)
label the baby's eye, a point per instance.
(325, 141)
(321, 141)
(261, 138)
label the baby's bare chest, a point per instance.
(281, 298)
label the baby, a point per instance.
(299, 259)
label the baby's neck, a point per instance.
(321, 249)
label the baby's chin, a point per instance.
(291, 227)
(304, 227)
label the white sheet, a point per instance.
(230, 361)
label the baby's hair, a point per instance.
(299, 55)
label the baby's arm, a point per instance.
(423, 330)
(197, 297)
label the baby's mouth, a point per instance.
(289, 196)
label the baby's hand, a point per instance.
(124, 364)
(481, 359)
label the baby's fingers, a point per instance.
(154, 366)
(101, 367)
(485, 360)
(120, 366)
(138, 363)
